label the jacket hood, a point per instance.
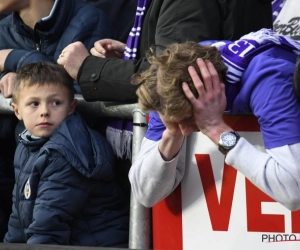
(85, 149)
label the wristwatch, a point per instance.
(227, 141)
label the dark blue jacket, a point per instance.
(121, 15)
(65, 191)
(69, 21)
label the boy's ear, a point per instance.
(16, 110)
(73, 106)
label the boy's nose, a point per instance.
(44, 111)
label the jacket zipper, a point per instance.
(17, 190)
(37, 47)
(38, 40)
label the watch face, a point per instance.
(228, 139)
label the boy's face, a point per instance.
(43, 108)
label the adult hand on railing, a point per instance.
(7, 84)
(108, 48)
(72, 57)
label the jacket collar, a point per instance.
(31, 142)
(50, 27)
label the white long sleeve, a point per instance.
(152, 179)
(277, 172)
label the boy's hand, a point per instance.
(72, 57)
(108, 48)
(7, 84)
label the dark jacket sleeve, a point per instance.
(121, 15)
(88, 26)
(185, 20)
(17, 58)
(55, 205)
(166, 22)
(103, 79)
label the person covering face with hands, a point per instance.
(184, 91)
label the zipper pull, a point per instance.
(37, 46)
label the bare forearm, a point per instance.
(170, 145)
(213, 133)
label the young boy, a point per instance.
(65, 192)
(258, 79)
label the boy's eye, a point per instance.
(33, 104)
(56, 103)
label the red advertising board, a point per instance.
(216, 207)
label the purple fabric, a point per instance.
(117, 123)
(155, 127)
(121, 127)
(134, 35)
(267, 92)
(238, 54)
(276, 8)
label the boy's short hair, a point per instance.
(170, 67)
(42, 73)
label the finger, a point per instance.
(61, 54)
(222, 89)
(95, 52)
(117, 46)
(62, 57)
(10, 89)
(119, 54)
(3, 85)
(59, 61)
(188, 93)
(197, 81)
(4, 91)
(215, 80)
(99, 47)
(207, 81)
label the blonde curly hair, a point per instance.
(170, 69)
